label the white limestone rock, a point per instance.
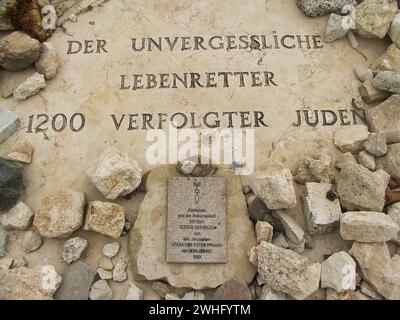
(268, 294)
(9, 122)
(293, 230)
(134, 293)
(288, 272)
(30, 87)
(363, 73)
(73, 249)
(391, 162)
(367, 160)
(322, 214)
(264, 231)
(339, 272)
(119, 272)
(368, 227)
(47, 64)
(376, 144)
(344, 160)
(387, 81)
(104, 274)
(351, 138)
(336, 28)
(275, 189)
(100, 291)
(18, 218)
(111, 249)
(115, 174)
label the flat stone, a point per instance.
(3, 243)
(268, 294)
(61, 213)
(9, 122)
(376, 144)
(275, 189)
(394, 213)
(339, 272)
(387, 81)
(119, 272)
(363, 73)
(314, 170)
(391, 161)
(111, 249)
(29, 284)
(105, 218)
(115, 174)
(30, 87)
(18, 218)
(233, 290)
(31, 241)
(150, 231)
(336, 28)
(288, 272)
(100, 291)
(394, 31)
(73, 249)
(315, 8)
(378, 268)
(351, 138)
(322, 214)
(370, 94)
(78, 279)
(47, 64)
(195, 203)
(293, 230)
(360, 189)
(389, 61)
(21, 152)
(367, 160)
(11, 184)
(368, 227)
(385, 117)
(134, 293)
(373, 18)
(264, 231)
(18, 51)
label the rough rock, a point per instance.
(3, 243)
(5, 20)
(367, 160)
(78, 279)
(281, 241)
(268, 294)
(378, 268)
(30, 87)
(150, 230)
(368, 227)
(351, 138)
(18, 218)
(339, 272)
(61, 213)
(18, 262)
(100, 291)
(332, 295)
(134, 293)
(394, 213)
(47, 64)
(368, 290)
(373, 18)
(162, 288)
(315, 8)
(119, 272)
(264, 231)
(256, 208)
(370, 94)
(336, 28)
(391, 162)
(275, 189)
(346, 159)
(360, 189)
(389, 61)
(9, 122)
(233, 290)
(22, 152)
(111, 249)
(106, 263)
(115, 174)
(376, 144)
(104, 274)
(105, 218)
(292, 229)
(31, 241)
(29, 284)
(288, 272)
(322, 214)
(11, 184)
(73, 249)
(387, 81)
(18, 51)
(363, 73)
(385, 117)
(312, 170)
(394, 31)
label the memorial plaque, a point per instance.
(196, 220)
